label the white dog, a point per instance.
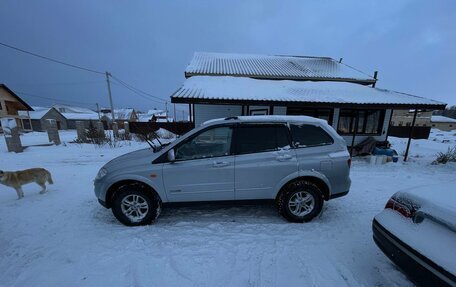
(16, 179)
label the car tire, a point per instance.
(300, 201)
(133, 205)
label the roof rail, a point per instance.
(231, 118)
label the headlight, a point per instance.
(101, 173)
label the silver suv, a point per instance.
(296, 162)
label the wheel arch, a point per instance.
(321, 182)
(111, 191)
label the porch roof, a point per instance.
(248, 91)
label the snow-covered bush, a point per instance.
(448, 156)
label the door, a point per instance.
(203, 169)
(262, 159)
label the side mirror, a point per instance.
(171, 155)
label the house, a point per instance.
(120, 115)
(37, 119)
(147, 117)
(74, 114)
(404, 118)
(11, 104)
(443, 123)
(223, 85)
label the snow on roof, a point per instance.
(119, 114)
(81, 116)
(145, 117)
(37, 113)
(71, 109)
(238, 89)
(442, 119)
(273, 67)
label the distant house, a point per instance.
(404, 118)
(11, 104)
(224, 85)
(74, 114)
(120, 115)
(154, 116)
(37, 119)
(443, 123)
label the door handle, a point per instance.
(220, 163)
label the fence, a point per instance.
(178, 128)
(404, 131)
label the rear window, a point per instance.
(253, 139)
(308, 135)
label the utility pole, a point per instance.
(110, 96)
(98, 111)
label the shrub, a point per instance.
(448, 156)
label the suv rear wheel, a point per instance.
(300, 201)
(133, 206)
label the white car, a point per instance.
(417, 231)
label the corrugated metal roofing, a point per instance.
(273, 67)
(226, 89)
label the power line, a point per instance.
(54, 99)
(136, 89)
(50, 59)
(140, 92)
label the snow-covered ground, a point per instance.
(65, 238)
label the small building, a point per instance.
(11, 104)
(224, 85)
(37, 119)
(443, 123)
(151, 114)
(120, 115)
(404, 118)
(74, 114)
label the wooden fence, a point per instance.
(404, 131)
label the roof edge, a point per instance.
(17, 97)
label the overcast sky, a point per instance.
(148, 44)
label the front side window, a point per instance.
(308, 135)
(210, 143)
(254, 139)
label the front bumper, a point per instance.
(418, 267)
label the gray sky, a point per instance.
(149, 43)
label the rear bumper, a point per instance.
(418, 267)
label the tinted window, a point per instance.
(308, 135)
(210, 143)
(253, 139)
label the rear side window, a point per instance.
(308, 135)
(253, 139)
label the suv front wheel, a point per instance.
(134, 206)
(300, 201)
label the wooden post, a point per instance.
(190, 112)
(410, 135)
(354, 133)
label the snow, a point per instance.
(267, 66)
(36, 114)
(81, 116)
(65, 238)
(442, 119)
(241, 89)
(271, 118)
(119, 114)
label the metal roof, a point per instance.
(238, 90)
(274, 67)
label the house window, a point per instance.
(324, 114)
(407, 124)
(401, 123)
(369, 121)
(392, 123)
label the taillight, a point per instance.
(349, 162)
(404, 206)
